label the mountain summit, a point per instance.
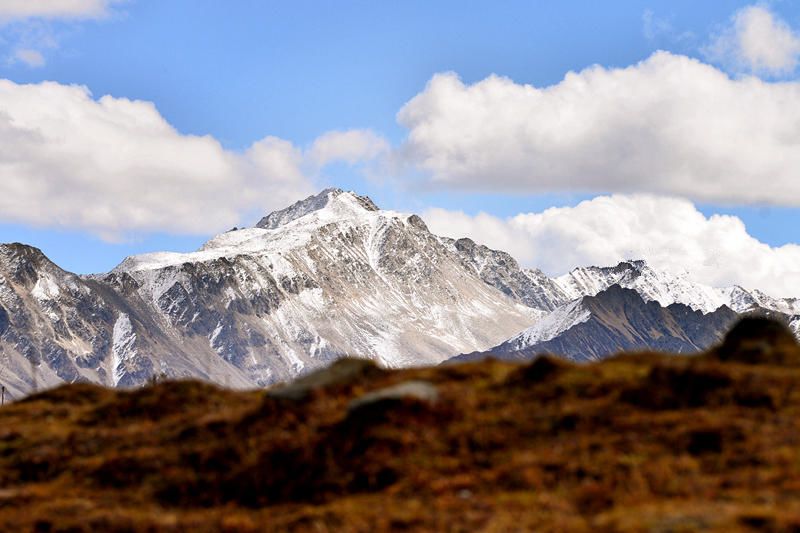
(315, 203)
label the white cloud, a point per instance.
(350, 146)
(115, 166)
(669, 233)
(32, 58)
(71, 9)
(756, 41)
(669, 125)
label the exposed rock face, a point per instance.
(614, 320)
(500, 270)
(57, 327)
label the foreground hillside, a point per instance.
(637, 442)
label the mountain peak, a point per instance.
(627, 265)
(17, 254)
(635, 264)
(313, 203)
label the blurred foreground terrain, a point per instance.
(638, 442)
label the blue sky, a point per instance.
(240, 71)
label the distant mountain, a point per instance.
(614, 320)
(58, 327)
(665, 288)
(548, 294)
(329, 276)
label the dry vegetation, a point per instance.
(641, 442)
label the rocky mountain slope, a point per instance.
(616, 319)
(641, 442)
(57, 327)
(329, 276)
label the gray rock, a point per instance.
(343, 372)
(422, 391)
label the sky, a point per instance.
(568, 133)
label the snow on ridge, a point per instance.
(553, 324)
(650, 283)
(298, 209)
(346, 209)
(122, 348)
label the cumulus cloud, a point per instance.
(756, 41)
(669, 125)
(114, 166)
(670, 233)
(70, 9)
(350, 146)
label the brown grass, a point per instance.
(640, 442)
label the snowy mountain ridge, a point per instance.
(666, 289)
(329, 276)
(569, 291)
(615, 319)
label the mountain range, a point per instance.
(330, 276)
(616, 319)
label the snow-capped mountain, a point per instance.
(665, 288)
(613, 320)
(329, 276)
(574, 312)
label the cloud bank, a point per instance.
(670, 125)
(669, 233)
(114, 166)
(68, 9)
(756, 41)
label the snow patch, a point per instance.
(122, 349)
(553, 324)
(213, 338)
(46, 288)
